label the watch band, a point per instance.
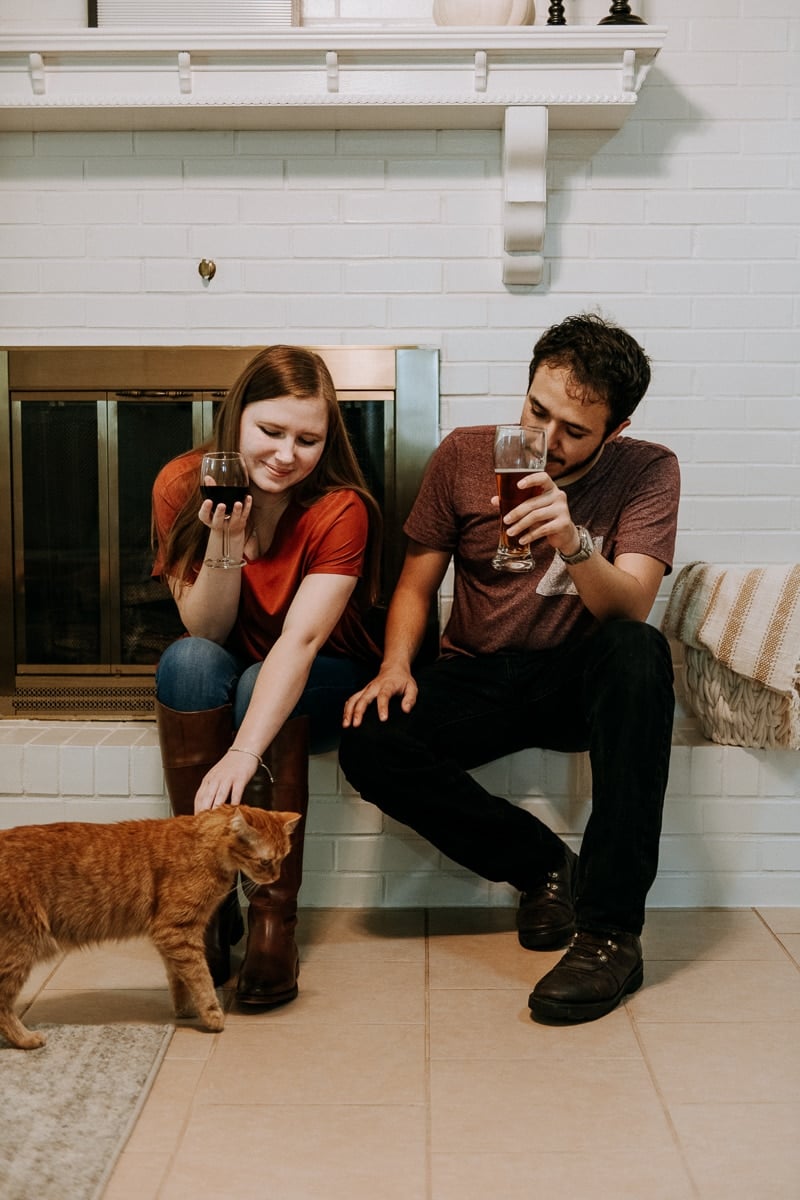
(585, 549)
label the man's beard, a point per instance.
(575, 469)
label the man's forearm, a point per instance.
(406, 623)
(623, 591)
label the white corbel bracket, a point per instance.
(332, 71)
(481, 70)
(185, 72)
(525, 193)
(36, 68)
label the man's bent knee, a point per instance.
(365, 749)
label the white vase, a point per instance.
(483, 12)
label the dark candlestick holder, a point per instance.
(621, 14)
(556, 16)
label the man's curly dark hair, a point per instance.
(604, 363)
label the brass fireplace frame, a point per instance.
(405, 378)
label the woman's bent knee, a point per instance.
(195, 674)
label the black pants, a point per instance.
(611, 694)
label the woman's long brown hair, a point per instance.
(274, 373)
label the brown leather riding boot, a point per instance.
(191, 743)
(268, 976)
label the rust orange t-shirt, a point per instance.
(329, 538)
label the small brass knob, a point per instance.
(207, 268)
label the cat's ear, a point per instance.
(290, 820)
(239, 820)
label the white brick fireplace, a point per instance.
(681, 223)
(732, 816)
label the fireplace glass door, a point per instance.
(84, 465)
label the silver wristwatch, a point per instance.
(584, 551)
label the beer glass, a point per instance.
(519, 450)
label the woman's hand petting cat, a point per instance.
(226, 781)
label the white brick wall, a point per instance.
(683, 226)
(731, 820)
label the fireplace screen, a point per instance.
(89, 622)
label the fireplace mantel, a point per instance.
(524, 81)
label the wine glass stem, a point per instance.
(226, 540)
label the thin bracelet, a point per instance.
(257, 757)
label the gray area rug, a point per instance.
(67, 1110)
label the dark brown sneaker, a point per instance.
(546, 916)
(597, 970)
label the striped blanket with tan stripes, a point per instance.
(741, 631)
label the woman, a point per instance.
(275, 648)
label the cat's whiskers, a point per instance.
(249, 886)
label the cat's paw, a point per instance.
(27, 1039)
(213, 1019)
(34, 1041)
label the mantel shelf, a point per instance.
(563, 77)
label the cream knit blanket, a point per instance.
(741, 628)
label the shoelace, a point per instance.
(582, 943)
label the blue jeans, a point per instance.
(610, 693)
(195, 674)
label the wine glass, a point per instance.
(224, 480)
(518, 451)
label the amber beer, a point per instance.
(511, 495)
(519, 450)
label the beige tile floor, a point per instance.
(409, 1069)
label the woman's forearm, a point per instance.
(279, 686)
(208, 607)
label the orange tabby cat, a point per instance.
(73, 883)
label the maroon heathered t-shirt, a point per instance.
(628, 501)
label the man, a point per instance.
(560, 657)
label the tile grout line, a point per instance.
(191, 1107)
(663, 1103)
(776, 937)
(25, 1009)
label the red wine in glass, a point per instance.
(224, 480)
(221, 493)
